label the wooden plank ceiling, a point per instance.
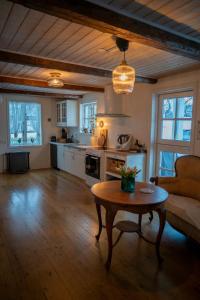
(31, 32)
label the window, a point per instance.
(88, 117)
(174, 130)
(24, 124)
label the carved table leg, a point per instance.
(162, 218)
(110, 216)
(98, 208)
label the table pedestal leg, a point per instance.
(140, 222)
(110, 216)
(162, 218)
(98, 208)
(151, 216)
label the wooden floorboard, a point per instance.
(48, 250)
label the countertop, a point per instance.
(122, 152)
(85, 147)
(72, 145)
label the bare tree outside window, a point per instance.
(24, 123)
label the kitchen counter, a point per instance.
(106, 150)
(122, 152)
(72, 145)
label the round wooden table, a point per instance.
(109, 195)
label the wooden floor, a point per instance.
(48, 250)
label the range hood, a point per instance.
(112, 105)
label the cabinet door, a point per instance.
(72, 113)
(58, 112)
(64, 112)
(79, 164)
(60, 157)
(68, 160)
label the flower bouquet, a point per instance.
(128, 178)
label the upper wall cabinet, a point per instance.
(67, 113)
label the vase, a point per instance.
(128, 184)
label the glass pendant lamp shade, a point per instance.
(55, 81)
(123, 78)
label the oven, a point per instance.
(92, 166)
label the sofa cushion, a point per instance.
(187, 209)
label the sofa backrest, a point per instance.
(188, 166)
(188, 176)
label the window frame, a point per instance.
(82, 115)
(8, 124)
(182, 147)
(169, 148)
(159, 125)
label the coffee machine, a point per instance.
(124, 142)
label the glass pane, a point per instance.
(168, 108)
(167, 130)
(166, 173)
(167, 160)
(184, 107)
(183, 130)
(88, 117)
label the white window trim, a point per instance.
(31, 101)
(159, 121)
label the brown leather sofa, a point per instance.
(183, 204)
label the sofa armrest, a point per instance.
(168, 183)
(167, 180)
(162, 180)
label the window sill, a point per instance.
(24, 146)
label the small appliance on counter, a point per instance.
(124, 142)
(53, 138)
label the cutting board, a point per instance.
(102, 138)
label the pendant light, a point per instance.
(55, 81)
(123, 76)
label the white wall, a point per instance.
(39, 155)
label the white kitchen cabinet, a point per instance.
(67, 160)
(60, 157)
(74, 161)
(79, 163)
(67, 113)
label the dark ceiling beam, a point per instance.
(108, 21)
(41, 62)
(44, 84)
(42, 94)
